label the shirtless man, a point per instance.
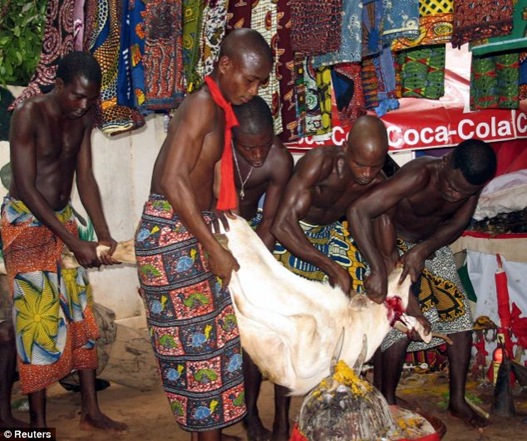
(50, 145)
(263, 166)
(429, 202)
(183, 270)
(325, 182)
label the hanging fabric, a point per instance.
(192, 14)
(107, 49)
(422, 72)
(350, 37)
(494, 82)
(435, 25)
(315, 26)
(163, 57)
(261, 15)
(400, 19)
(475, 19)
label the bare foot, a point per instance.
(13, 423)
(102, 422)
(280, 436)
(468, 416)
(256, 430)
(280, 433)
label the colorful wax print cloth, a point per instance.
(315, 26)
(191, 320)
(105, 21)
(332, 240)
(494, 81)
(313, 90)
(52, 307)
(421, 72)
(401, 19)
(214, 21)
(349, 93)
(285, 73)
(350, 37)
(442, 297)
(435, 25)
(58, 41)
(515, 41)
(372, 27)
(476, 19)
(192, 10)
(262, 16)
(163, 58)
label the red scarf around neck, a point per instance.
(227, 199)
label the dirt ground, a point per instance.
(149, 418)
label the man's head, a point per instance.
(366, 148)
(254, 136)
(78, 83)
(468, 168)
(244, 64)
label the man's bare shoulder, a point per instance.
(320, 156)
(197, 111)
(31, 106)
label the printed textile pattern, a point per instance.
(401, 19)
(315, 26)
(52, 306)
(494, 81)
(442, 297)
(422, 72)
(350, 38)
(192, 323)
(332, 240)
(475, 19)
(435, 25)
(163, 58)
(106, 48)
(349, 94)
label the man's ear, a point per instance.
(59, 83)
(224, 64)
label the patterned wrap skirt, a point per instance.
(332, 240)
(191, 320)
(52, 307)
(443, 300)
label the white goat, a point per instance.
(290, 325)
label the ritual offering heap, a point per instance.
(344, 407)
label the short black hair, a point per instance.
(254, 116)
(79, 63)
(476, 159)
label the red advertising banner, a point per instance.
(423, 123)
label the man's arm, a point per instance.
(23, 157)
(199, 117)
(381, 200)
(281, 169)
(91, 197)
(295, 205)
